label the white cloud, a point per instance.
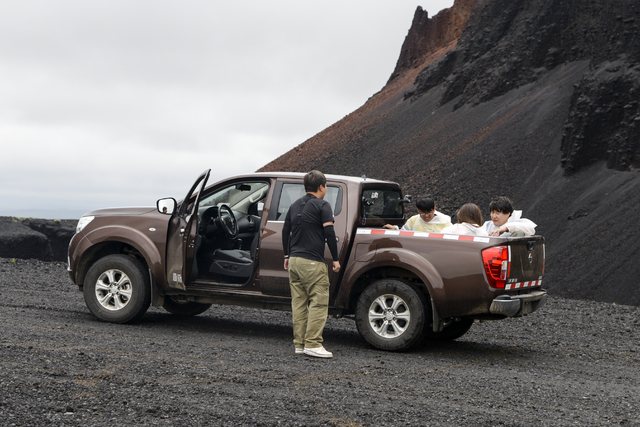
(107, 103)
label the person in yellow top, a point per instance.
(428, 219)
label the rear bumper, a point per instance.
(518, 305)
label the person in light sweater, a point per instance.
(507, 222)
(428, 219)
(469, 220)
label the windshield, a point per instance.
(239, 196)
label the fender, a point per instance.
(133, 237)
(396, 258)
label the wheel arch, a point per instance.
(396, 263)
(102, 249)
(117, 240)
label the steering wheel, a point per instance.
(227, 221)
(209, 215)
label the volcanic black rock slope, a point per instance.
(536, 100)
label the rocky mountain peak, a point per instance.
(426, 35)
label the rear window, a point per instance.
(378, 203)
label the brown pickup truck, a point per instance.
(222, 244)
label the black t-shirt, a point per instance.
(303, 231)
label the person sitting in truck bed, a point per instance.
(469, 221)
(507, 222)
(428, 219)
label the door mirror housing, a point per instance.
(167, 206)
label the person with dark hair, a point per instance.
(507, 222)
(428, 219)
(469, 221)
(308, 223)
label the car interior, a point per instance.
(229, 233)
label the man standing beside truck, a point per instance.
(308, 224)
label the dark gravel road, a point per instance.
(572, 363)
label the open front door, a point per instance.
(182, 236)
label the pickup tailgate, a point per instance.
(517, 267)
(527, 263)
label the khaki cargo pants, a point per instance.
(309, 281)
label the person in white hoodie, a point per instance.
(507, 222)
(469, 220)
(428, 219)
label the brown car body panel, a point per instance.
(142, 228)
(449, 272)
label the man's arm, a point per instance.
(408, 226)
(330, 236)
(330, 233)
(527, 226)
(286, 235)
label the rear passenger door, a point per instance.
(274, 279)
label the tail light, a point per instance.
(496, 265)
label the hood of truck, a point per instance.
(121, 211)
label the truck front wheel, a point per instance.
(390, 315)
(116, 289)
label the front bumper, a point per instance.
(518, 305)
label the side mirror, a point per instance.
(406, 199)
(167, 206)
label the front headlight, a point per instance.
(83, 222)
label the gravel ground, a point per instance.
(571, 363)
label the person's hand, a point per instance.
(286, 264)
(390, 227)
(499, 231)
(336, 266)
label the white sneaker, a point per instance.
(318, 352)
(299, 350)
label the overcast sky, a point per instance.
(119, 103)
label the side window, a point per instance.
(293, 191)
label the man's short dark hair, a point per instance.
(313, 180)
(426, 203)
(501, 204)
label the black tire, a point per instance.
(391, 315)
(184, 308)
(453, 330)
(117, 289)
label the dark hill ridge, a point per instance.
(535, 100)
(35, 238)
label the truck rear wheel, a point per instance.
(184, 308)
(116, 289)
(390, 315)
